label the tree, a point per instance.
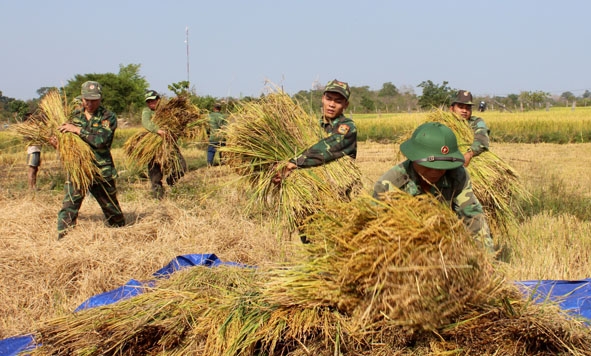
(179, 88)
(122, 92)
(44, 90)
(367, 104)
(586, 94)
(435, 95)
(388, 90)
(539, 97)
(18, 107)
(568, 96)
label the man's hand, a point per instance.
(284, 173)
(467, 157)
(53, 141)
(161, 132)
(69, 128)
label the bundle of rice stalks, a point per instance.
(176, 114)
(75, 155)
(495, 183)
(174, 117)
(394, 278)
(261, 138)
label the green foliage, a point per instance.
(204, 102)
(18, 107)
(388, 90)
(535, 99)
(367, 104)
(179, 88)
(435, 96)
(122, 93)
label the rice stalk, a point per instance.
(494, 182)
(262, 136)
(178, 118)
(401, 276)
(76, 156)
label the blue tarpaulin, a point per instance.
(572, 296)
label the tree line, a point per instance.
(124, 94)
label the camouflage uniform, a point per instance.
(454, 188)
(341, 141)
(154, 168)
(481, 132)
(98, 133)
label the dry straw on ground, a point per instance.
(262, 137)
(76, 156)
(179, 118)
(400, 277)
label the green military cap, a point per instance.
(335, 86)
(433, 145)
(91, 90)
(463, 97)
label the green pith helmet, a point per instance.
(433, 145)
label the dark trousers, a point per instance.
(156, 175)
(211, 150)
(105, 194)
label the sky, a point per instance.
(236, 47)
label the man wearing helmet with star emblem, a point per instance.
(434, 165)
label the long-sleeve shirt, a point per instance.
(481, 132)
(341, 141)
(98, 133)
(217, 121)
(454, 187)
(147, 122)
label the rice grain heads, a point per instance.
(173, 116)
(75, 155)
(262, 136)
(398, 277)
(495, 183)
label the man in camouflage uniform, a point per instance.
(434, 165)
(96, 126)
(462, 107)
(217, 121)
(152, 99)
(342, 139)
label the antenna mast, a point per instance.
(187, 42)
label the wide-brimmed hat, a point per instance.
(463, 97)
(433, 145)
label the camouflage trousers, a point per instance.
(105, 194)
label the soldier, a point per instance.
(96, 126)
(462, 106)
(434, 166)
(217, 121)
(342, 139)
(154, 169)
